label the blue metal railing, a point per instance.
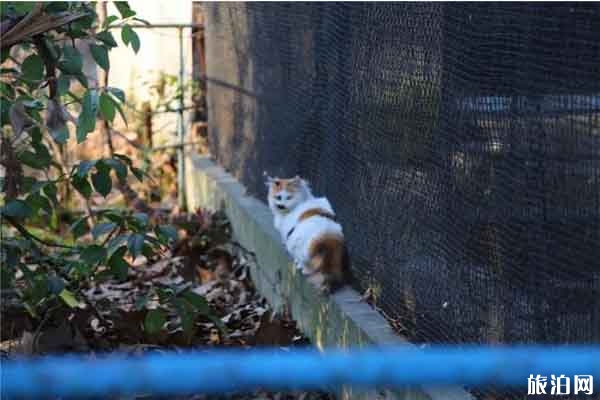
(226, 371)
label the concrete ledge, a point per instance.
(341, 320)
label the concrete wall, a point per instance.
(341, 320)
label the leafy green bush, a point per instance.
(41, 66)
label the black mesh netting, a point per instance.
(458, 143)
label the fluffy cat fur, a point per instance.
(308, 228)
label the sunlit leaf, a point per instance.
(69, 298)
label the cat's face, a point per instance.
(285, 194)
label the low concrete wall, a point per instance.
(341, 320)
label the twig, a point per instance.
(38, 330)
(30, 235)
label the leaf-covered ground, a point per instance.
(196, 295)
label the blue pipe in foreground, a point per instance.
(226, 371)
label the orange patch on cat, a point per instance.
(315, 211)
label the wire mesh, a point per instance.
(458, 143)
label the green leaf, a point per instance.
(23, 7)
(124, 158)
(140, 302)
(84, 167)
(72, 62)
(64, 84)
(6, 89)
(82, 79)
(6, 276)
(129, 36)
(55, 284)
(33, 68)
(100, 55)
(107, 38)
(124, 9)
(82, 185)
(167, 232)
(108, 21)
(141, 219)
(38, 160)
(16, 208)
(102, 229)
(50, 191)
(93, 254)
(87, 118)
(5, 54)
(31, 160)
(101, 179)
(154, 321)
(117, 243)
(118, 93)
(198, 302)
(107, 107)
(139, 174)
(118, 166)
(57, 6)
(38, 202)
(118, 105)
(135, 243)
(80, 227)
(118, 266)
(61, 134)
(186, 312)
(69, 298)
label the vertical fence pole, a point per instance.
(180, 131)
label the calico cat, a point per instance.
(310, 231)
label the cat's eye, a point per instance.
(278, 197)
(288, 198)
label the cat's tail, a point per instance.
(329, 257)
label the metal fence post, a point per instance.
(180, 131)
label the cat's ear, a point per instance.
(301, 182)
(269, 181)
